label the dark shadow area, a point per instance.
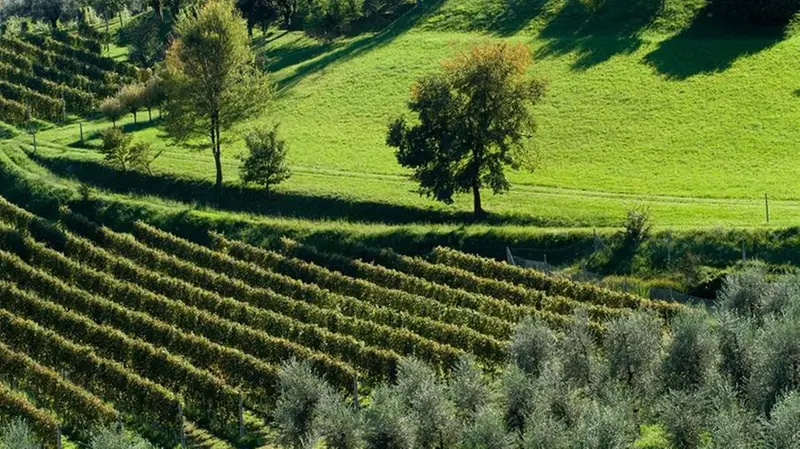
(277, 59)
(711, 44)
(596, 36)
(364, 44)
(797, 92)
(238, 198)
(516, 15)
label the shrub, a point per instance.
(131, 98)
(743, 292)
(338, 423)
(532, 346)
(468, 389)
(691, 354)
(577, 351)
(633, 349)
(112, 109)
(428, 404)
(265, 163)
(300, 393)
(777, 366)
(110, 438)
(488, 431)
(683, 418)
(119, 151)
(736, 350)
(327, 19)
(605, 427)
(783, 429)
(518, 392)
(17, 434)
(386, 423)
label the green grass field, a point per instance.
(664, 109)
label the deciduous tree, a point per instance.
(472, 121)
(265, 162)
(212, 81)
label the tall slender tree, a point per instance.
(212, 82)
(473, 120)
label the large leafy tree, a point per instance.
(258, 12)
(212, 82)
(473, 120)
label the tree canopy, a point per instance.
(211, 78)
(473, 120)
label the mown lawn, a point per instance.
(645, 105)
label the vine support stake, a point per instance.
(80, 125)
(241, 416)
(766, 205)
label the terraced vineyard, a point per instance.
(183, 342)
(54, 75)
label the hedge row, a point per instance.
(376, 362)
(13, 112)
(42, 106)
(533, 279)
(294, 320)
(13, 405)
(89, 44)
(79, 409)
(256, 378)
(76, 100)
(109, 380)
(208, 395)
(483, 326)
(422, 326)
(523, 303)
(55, 46)
(52, 59)
(190, 319)
(15, 59)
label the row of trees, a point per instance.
(148, 93)
(723, 381)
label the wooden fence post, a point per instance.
(766, 205)
(81, 127)
(58, 438)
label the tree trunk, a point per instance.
(114, 122)
(149, 114)
(476, 200)
(120, 19)
(54, 23)
(215, 148)
(134, 118)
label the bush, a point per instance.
(428, 404)
(488, 431)
(300, 393)
(131, 98)
(112, 109)
(633, 349)
(119, 151)
(327, 19)
(386, 423)
(691, 354)
(783, 429)
(338, 423)
(743, 292)
(110, 438)
(17, 434)
(532, 346)
(683, 418)
(468, 389)
(265, 163)
(777, 366)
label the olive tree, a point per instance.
(212, 81)
(472, 121)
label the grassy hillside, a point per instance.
(645, 104)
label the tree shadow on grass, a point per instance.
(711, 45)
(516, 15)
(238, 198)
(358, 46)
(597, 36)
